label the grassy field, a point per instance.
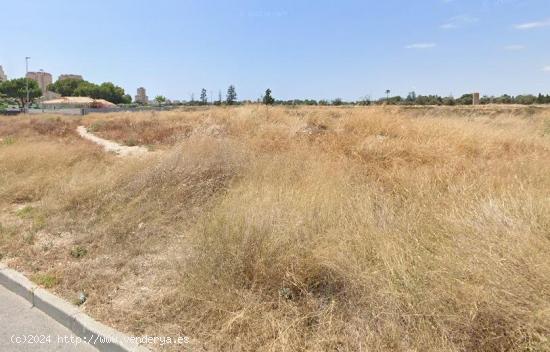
(292, 229)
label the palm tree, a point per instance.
(388, 94)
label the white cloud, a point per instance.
(514, 47)
(448, 26)
(546, 69)
(533, 25)
(459, 21)
(421, 46)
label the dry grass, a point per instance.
(146, 131)
(295, 229)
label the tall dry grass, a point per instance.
(311, 229)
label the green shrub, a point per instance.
(7, 140)
(46, 280)
(29, 213)
(78, 252)
(130, 142)
(26, 212)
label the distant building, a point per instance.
(43, 78)
(3, 76)
(69, 76)
(475, 98)
(141, 96)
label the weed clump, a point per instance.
(46, 280)
(78, 252)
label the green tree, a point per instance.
(231, 96)
(393, 100)
(428, 100)
(204, 97)
(79, 88)
(17, 89)
(466, 99)
(160, 99)
(484, 100)
(110, 92)
(66, 87)
(411, 98)
(526, 99)
(126, 99)
(450, 100)
(87, 89)
(504, 99)
(268, 99)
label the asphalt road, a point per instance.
(20, 324)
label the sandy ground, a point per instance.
(111, 146)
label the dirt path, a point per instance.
(111, 146)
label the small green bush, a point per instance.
(25, 212)
(46, 280)
(96, 126)
(7, 141)
(29, 213)
(131, 142)
(78, 252)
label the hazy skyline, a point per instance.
(299, 49)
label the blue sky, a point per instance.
(299, 49)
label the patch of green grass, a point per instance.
(8, 141)
(96, 126)
(131, 142)
(30, 213)
(46, 280)
(38, 222)
(78, 252)
(29, 238)
(25, 212)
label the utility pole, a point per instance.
(27, 82)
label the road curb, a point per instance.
(17, 283)
(100, 336)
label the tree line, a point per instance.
(466, 99)
(411, 99)
(16, 89)
(74, 87)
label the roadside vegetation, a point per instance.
(255, 228)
